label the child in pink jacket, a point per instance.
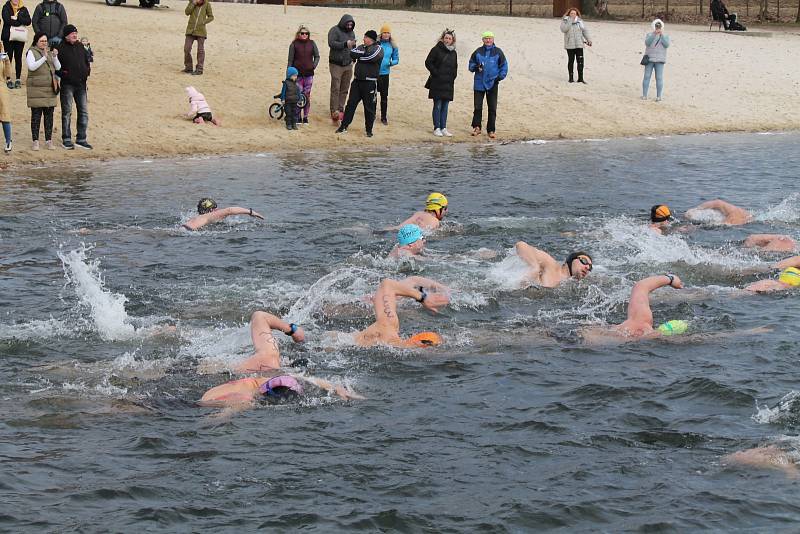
(200, 113)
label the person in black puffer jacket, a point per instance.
(442, 63)
(74, 72)
(364, 88)
(15, 15)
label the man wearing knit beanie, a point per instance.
(75, 70)
(364, 88)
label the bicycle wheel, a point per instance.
(301, 102)
(276, 111)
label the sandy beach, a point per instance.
(714, 81)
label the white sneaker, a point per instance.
(644, 98)
(8, 147)
(658, 99)
(437, 132)
(49, 145)
(446, 133)
(35, 145)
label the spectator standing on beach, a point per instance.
(50, 18)
(75, 70)
(490, 67)
(290, 95)
(391, 57)
(341, 39)
(304, 56)
(42, 66)
(575, 35)
(656, 43)
(364, 89)
(5, 105)
(200, 14)
(15, 18)
(442, 63)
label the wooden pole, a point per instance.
(285, 3)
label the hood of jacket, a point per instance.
(193, 93)
(653, 24)
(344, 20)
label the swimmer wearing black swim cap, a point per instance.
(209, 213)
(545, 271)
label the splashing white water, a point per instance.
(707, 216)
(784, 211)
(633, 242)
(511, 273)
(339, 287)
(35, 330)
(107, 309)
(766, 415)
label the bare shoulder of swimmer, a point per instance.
(769, 457)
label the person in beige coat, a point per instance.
(41, 91)
(5, 105)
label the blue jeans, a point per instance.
(440, 113)
(648, 73)
(78, 93)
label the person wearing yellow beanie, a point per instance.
(391, 57)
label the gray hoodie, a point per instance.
(337, 41)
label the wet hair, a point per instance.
(206, 205)
(575, 9)
(572, 257)
(448, 31)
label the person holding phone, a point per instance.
(41, 93)
(575, 35)
(656, 43)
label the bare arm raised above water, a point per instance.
(198, 222)
(733, 215)
(267, 354)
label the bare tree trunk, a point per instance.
(762, 10)
(779, 10)
(797, 20)
(666, 16)
(643, 1)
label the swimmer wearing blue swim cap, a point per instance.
(410, 241)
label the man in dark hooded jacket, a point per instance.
(50, 18)
(341, 39)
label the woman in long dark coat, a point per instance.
(442, 63)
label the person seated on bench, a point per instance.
(719, 11)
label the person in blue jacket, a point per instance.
(391, 57)
(490, 67)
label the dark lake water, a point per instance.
(513, 425)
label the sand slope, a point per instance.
(714, 82)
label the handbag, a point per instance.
(645, 60)
(18, 33)
(56, 83)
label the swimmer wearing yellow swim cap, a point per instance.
(789, 277)
(430, 219)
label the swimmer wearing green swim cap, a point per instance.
(639, 324)
(209, 213)
(789, 277)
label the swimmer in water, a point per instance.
(435, 210)
(410, 242)
(639, 324)
(789, 278)
(209, 213)
(771, 242)
(386, 328)
(731, 215)
(765, 457)
(547, 272)
(267, 355)
(272, 389)
(660, 218)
